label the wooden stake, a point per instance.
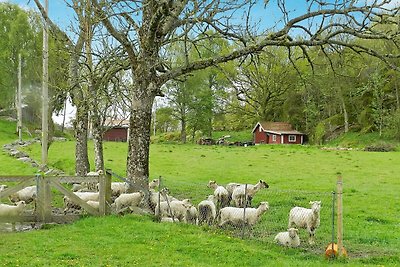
(340, 215)
(45, 90)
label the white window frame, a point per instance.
(274, 138)
(292, 138)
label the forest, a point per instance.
(193, 68)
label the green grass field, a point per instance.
(296, 175)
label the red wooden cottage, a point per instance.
(118, 130)
(276, 133)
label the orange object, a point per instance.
(329, 253)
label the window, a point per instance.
(274, 138)
(292, 138)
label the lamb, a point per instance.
(154, 184)
(191, 215)
(12, 210)
(207, 211)
(220, 193)
(27, 194)
(289, 239)
(93, 204)
(3, 187)
(128, 200)
(163, 196)
(239, 193)
(118, 188)
(176, 209)
(85, 196)
(306, 218)
(234, 215)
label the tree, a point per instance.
(145, 29)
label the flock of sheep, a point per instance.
(215, 209)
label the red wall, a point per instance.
(286, 139)
(116, 134)
(263, 138)
(260, 137)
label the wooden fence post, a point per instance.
(105, 193)
(43, 200)
(340, 215)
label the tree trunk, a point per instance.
(345, 116)
(183, 130)
(82, 166)
(139, 141)
(98, 143)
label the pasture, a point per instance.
(296, 175)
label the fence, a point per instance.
(47, 203)
(274, 220)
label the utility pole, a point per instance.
(19, 105)
(45, 89)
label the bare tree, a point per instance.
(146, 29)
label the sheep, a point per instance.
(306, 218)
(220, 193)
(207, 211)
(154, 184)
(12, 211)
(168, 219)
(191, 215)
(162, 196)
(128, 200)
(85, 196)
(27, 194)
(240, 192)
(118, 188)
(234, 215)
(93, 204)
(176, 209)
(230, 187)
(289, 239)
(3, 187)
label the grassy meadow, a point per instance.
(296, 175)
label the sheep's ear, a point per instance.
(311, 202)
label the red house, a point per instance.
(276, 133)
(118, 130)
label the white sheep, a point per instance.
(3, 187)
(191, 215)
(234, 215)
(289, 239)
(240, 192)
(94, 204)
(128, 200)
(156, 196)
(27, 194)
(220, 193)
(306, 218)
(207, 211)
(85, 196)
(169, 219)
(12, 210)
(176, 209)
(154, 184)
(118, 188)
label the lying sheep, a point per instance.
(94, 204)
(220, 193)
(128, 200)
(85, 196)
(234, 215)
(207, 211)
(240, 192)
(306, 218)
(27, 194)
(176, 209)
(289, 239)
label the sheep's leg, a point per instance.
(311, 232)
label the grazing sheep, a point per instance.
(85, 196)
(239, 193)
(128, 200)
(220, 193)
(289, 239)
(154, 184)
(176, 209)
(207, 211)
(306, 218)
(234, 215)
(27, 194)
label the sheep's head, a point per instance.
(13, 198)
(164, 191)
(155, 183)
(212, 184)
(315, 206)
(292, 232)
(186, 202)
(264, 206)
(3, 187)
(263, 184)
(21, 203)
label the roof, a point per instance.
(113, 123)
(277, 128)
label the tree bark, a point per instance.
(183, 130)
(82, 166)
